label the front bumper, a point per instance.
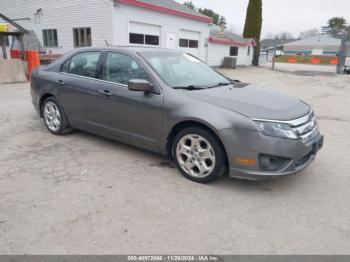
(249, 145)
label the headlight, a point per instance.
(275, 129)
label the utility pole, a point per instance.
(342, 54)
(3, 46)
(274, 53)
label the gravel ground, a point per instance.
(81, 194)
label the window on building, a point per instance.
(233, 51)
(136, 38)
(183, 43)
(82, 64)
(248, 53)
(187, 43)
(193, 44)
(152, 39)
(50, 38)
(120, 68)
(142, 39)
(82, 36)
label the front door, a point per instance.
(130, 116)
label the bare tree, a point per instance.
(270, 35)
(309, 33)
(231, 28)
(280, 35)
(285, 35)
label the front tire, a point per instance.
(54, 118)
(199, 155)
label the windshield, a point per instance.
(180, 70)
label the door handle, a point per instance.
(105, 93)
(60, 82)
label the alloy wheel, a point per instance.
(52, 116)
(196, 156)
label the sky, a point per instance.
(280, 15)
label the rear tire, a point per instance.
(199, 155)
(54, 117)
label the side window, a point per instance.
(120, 68)
(65, 67)
(83, 64)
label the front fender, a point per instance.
(209, 115)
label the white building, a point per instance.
(223, 43)
(62, 25)
(316, 45)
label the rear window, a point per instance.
(82, 64)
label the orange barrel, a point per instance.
(33, 61)
(292, 60)
(315, 60)
(15, 53)
(334, 61)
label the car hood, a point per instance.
(253, 102)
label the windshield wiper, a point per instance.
(193, 87)
(221, 84)
(190, 87)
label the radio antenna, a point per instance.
(105, 40)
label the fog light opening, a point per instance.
(272, 163)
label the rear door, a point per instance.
(78, 91)
(130, 116)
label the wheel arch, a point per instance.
(190, 123)
(42, 100)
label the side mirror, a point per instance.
(140, 85)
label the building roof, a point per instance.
(170, 7)
(15, 28)
(228, 38)
(273, 42)
(320, 40)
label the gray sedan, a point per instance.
(171, 103)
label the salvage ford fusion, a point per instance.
(170, 102)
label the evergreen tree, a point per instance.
(334, 27)
(211, 13)
(205, 11)
(189, 4)
(253, 24)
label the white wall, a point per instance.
(110, 21)
(217, 52)
(122, 14)
(243, 58)
(64, 15)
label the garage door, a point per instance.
(144, 34)
(189, 42)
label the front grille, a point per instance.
(306, 127)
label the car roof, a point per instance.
(130, 49)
